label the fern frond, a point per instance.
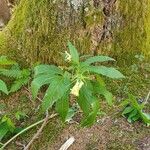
(4, 61)
(11, 73)
(18, 84)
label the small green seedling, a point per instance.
(20, 115)
(6, 127)
(11, 70)
(133, 110)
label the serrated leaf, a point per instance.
(38, 82)
(83, 100)
(62, 106)
(18, 84)
(11, 73)
(101, 90)
(3, 87)
(106, 71)
(46, 69)
(73, 52)
(91, 118)
(98, 59)
(88, 103)
(56, 90)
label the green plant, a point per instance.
(133, 110)
(3, 87)
(4, 62)
(6, 127)
(11, 70)
(20, 115)
(79, 78)
(19, 133)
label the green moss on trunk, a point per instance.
(39, 30)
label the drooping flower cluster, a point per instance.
(75, 90)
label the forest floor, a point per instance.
(111, 131)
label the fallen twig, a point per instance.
(67, 144)
(147, 97)
(38, 132)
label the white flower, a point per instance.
(75, 90)
(67, 56)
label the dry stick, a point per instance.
(67, 144)
(31, 94)
(38, 132)
(24, 130)
(147, 97)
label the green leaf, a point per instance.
(3, 130)
(20, 115)
(145, 117)
(10, 124)
(46, 69)
(11, 73)
(134, 102)
(98, 59)
(127, 110)
(18, 84)
(62, 106)
(131, 115)
(136, 117)
(84, 100)
(5, 61)
(58, 87)
(38, 82)
(3, 87)
(106, 71)
(125, 102)
(91, 118)
(6, 125)
(88, 103)
(73, 52)
(101, 90)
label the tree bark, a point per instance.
(40, 29)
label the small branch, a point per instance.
(38, 132)
(67, 144)
(147, 97)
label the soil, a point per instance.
(110, 134)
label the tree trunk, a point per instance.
(40, 29)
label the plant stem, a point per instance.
(24, 130)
